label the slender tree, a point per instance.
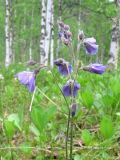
(52, 37)
(30, 47)
(114, 45)
(48, 30)
(42, 36)
(8, 35)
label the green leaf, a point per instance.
(9, 128)
(86, 137)
(34, 130)
(106, 127)
(87, 98)
(40, 117)
(77, 157)
(15, 119)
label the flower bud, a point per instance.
(66, 27)
(73, 109)
(81, 36)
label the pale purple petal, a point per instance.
(27, 78)
(65, 70)
(31, 85)
(91, 46)
(95, 68)
(24, 77)
(91, 40)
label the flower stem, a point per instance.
(30, 108)
(67, 134)
(71, 138)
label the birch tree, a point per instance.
(30, 47)
(52, 37)
(48, 30)
(8, 35)
(114, 45)
(42, 36)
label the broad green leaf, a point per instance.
(40, 117)
(15, 119)
(9, 128)
(86, 137)
(106, 127)
(87, 98)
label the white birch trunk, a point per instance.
(30, 47)
(8, 57)
(52, 38)
(48, 30)
(42, 36)
(114, 45)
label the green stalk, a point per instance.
(71, 138)
(67, 134)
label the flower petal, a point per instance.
(90, 45)
(31, 85)
(71, 88)
(27, 78)
(65, 70)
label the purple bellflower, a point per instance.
(90, 45)
(95, 68)
(63, 66)
(71, 88)
(27, 78)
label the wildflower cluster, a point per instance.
(71, 88)
(65, 34)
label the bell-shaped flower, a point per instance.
(27, 78)
(95, 68)
(63, 66)
(71, 88)
(90, 46)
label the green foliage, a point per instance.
(41, 117)
(87, 98)
(106, 127)
(86, 137)
(9, 129)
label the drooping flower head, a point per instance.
(90, 45)
(27, 78)
(95, 68)
(63, 66)
(71, 88)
